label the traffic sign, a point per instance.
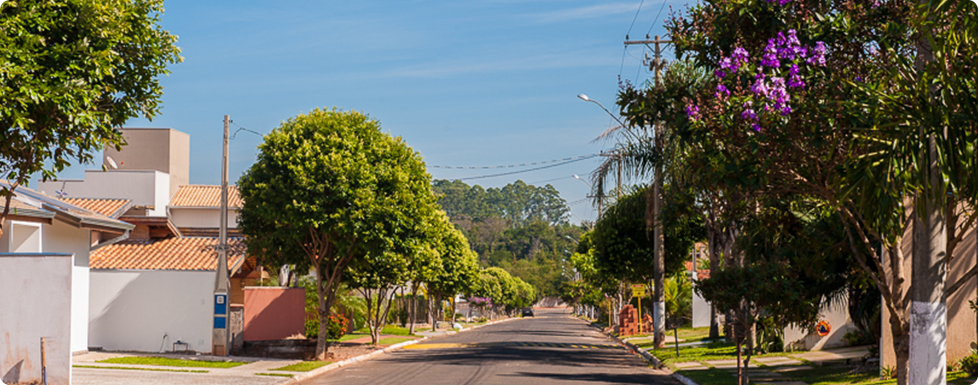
(638, 290)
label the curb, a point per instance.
(656, 363)
(300, 378)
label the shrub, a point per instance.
(857, 337)
(970, 364)
(337, 327)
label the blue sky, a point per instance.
(465, 83)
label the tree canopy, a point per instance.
(71, 73)
(330, 188)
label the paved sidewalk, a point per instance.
(87, 370)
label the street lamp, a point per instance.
(582, 96)
(587, 99)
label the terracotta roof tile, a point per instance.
(107, 207)
(195, 195)
(187, 253)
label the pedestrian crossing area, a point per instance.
(513, 344)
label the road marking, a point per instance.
(518, 344)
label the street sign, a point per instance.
(638, 290)
(823, 328)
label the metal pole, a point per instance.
(44, 361)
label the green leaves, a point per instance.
(71, 72)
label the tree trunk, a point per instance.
(412, 308)
(928, 305)
(326, 296)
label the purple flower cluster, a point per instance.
(818, 55)
(770, 85)
(693, 112)
(481, 301)
(780, 2)
(722, 92)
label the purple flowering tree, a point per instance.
(793, 113)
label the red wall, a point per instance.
(273, 313)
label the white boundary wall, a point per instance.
(36, 302)
(131, 310)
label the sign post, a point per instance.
(639, 291)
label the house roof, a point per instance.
(195, 195)
(31, 203)
(187, 253)
(112, 208)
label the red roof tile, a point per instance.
(204, 196)
(187, 253)
(107, 207)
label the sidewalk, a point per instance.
(87, 370)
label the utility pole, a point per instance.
(219, 342)
(658, 265)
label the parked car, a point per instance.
(528, 312)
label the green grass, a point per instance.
(352, 336)
(303, 366)
(826, 375)
(710, 376)
(160, 361)
(145, 369)
(275, 374)
(393, 340)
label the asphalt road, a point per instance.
(551, 348)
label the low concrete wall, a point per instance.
(273, 313)
(36, 303)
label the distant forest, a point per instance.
(520, 228)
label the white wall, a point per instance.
(143, 187)
(837, 316)
(202, 217)
(701, 310)
(63, 238)
(36, 302)
(132, 309)
(25, 237)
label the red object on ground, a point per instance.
(273, 313)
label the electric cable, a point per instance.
(528, 170)
(514, 165)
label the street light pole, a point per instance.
(590, 196)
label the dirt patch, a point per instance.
(344, 350)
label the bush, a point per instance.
(970, 364)
(857, 337)
(337, 327)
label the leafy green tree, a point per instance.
(376, 278)
(328, 189)
(72, 72)
(458, 269)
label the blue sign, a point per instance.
(220, 304)
(220, 323)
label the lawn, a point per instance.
(303, 366)
(389, 330)
(160, 361)
(831, 374)
(146, 369)
(827, 375)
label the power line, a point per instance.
(244, 129)
(515, 165)
(656, 20)
(532, 169)
(634, 18)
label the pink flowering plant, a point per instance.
(766, 80)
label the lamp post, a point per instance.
(592, 189)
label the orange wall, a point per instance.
(273, 313)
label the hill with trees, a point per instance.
(520, 228)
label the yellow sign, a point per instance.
(638, 290)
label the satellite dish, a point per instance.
(111, 162)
